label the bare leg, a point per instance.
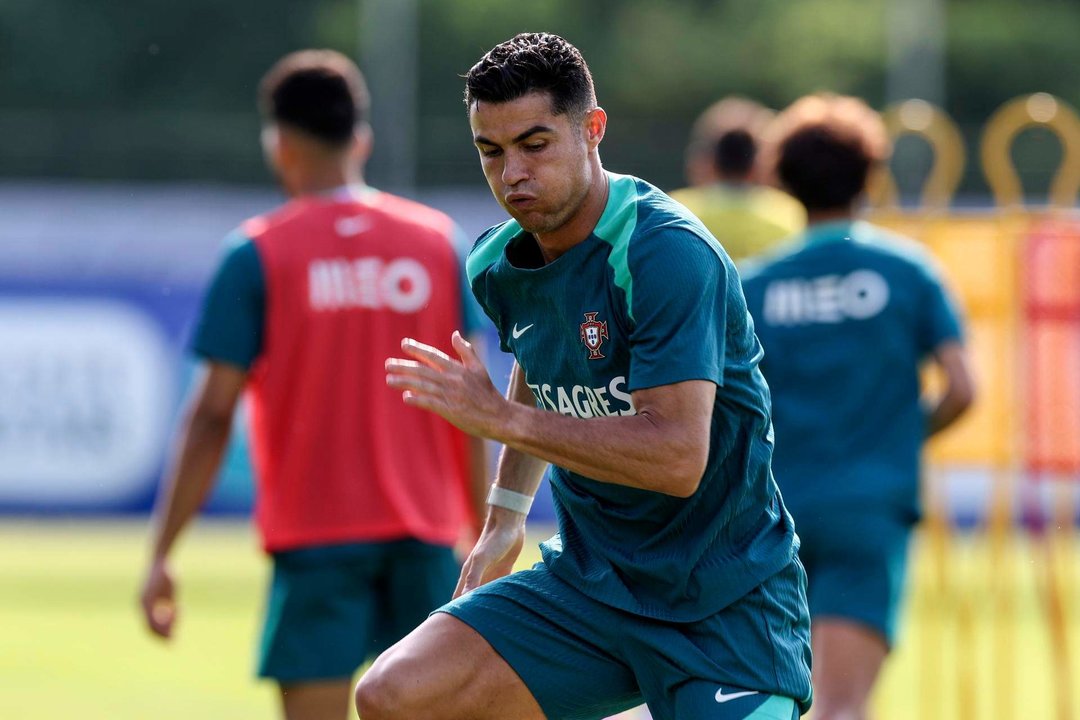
(316, 700)
(847, 660)
(443, 670)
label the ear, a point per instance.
(363, 142)
(270, 138)
(595, 126)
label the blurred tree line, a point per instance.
(165, 90)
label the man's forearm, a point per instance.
(945, 412)
(518, 471)
(664, 447)
(628, 450)
(642, 450)
(959, 388)
(187, 484)
(478, 478)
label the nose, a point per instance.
(515, 169)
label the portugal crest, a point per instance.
(593, 334)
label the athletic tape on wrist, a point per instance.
(501, 497)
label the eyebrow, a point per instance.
(481, 140)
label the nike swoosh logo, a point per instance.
(518, 333)
(349, 226)
(722, 698)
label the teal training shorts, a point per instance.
(856, 561)
(583, 659)
(331, 608)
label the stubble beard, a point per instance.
(542, 223)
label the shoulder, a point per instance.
(489, 246)
(761, 268)
(259, 227)
(239, 250)
(791, 257)
(640, 219)
(239, 270)
(899, 252)
(408, 212)
(688, 196)
(781, 208)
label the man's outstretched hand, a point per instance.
(459, 390)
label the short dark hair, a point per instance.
(320, 92)
(533, 62)
(735, 152)
(823, 148)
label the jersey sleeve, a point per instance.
(479, 260)
(472, 317)
(678, 300)
(230, 326)
(939, 317)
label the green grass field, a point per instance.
(72, 643)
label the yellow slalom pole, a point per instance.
(938, 596)
(1000, 516)
(1057, 540)
(937, 599)
(1039, 110)
(1002, 574)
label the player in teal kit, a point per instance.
(846, 315)
(674, 579)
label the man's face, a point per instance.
(536, 162)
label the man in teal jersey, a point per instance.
(674, 579)
(847, 314)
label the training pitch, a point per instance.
(72, 643)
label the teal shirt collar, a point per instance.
(834, 231)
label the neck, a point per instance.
(814, 217)
(733, 179)
(324, 177)
(581, 223)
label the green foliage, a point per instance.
(160, 89)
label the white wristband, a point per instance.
(501, 497)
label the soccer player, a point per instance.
(847, 316)
(674, 579)
(725, 192)
(359, 500)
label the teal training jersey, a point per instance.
(846, 316)
(648, 299)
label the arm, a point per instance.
(503, 534)
(478, 468)
(202, 439)
(959, 387)
(663, 448)
(478, 481)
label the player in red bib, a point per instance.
(360, 499)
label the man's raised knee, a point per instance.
(378, 697)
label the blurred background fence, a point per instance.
(1015, 270)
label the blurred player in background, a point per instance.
(745, 215)
(847, 317)
(360, 500)
(674, 579)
